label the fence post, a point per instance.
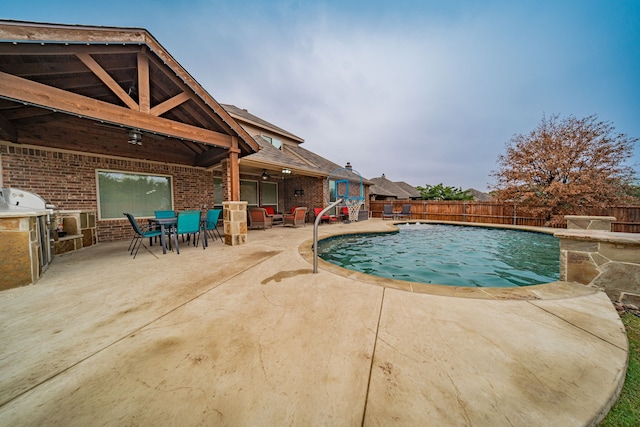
(464, 211)
(515, 217)
(424, 210)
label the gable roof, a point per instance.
(89, 85)
(400, 190)
(243, 115)
(292, 156)
(409, 189)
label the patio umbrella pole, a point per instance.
(315, 233)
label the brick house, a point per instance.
(282, 167)
(104, 120)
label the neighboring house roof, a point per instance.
(91, 84)
(384, 187)
(479, 195)
(242, 114)
(410, 189)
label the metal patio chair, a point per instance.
(405, 212)
(211, 225)
(139, 236)
(388, 212)
(188, 223)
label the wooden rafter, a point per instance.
(107, 80)
(144, 93)
(169, 104)
(22, 90)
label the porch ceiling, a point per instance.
(85, 88)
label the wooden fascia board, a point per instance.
(22, 90)
(265, 127)
(54, 33)
(169, 61)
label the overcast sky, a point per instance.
(425, 92)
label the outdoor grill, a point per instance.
(16, 203)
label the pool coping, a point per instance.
(546, 291)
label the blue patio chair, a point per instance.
(211, 226)
(189, 224)
(139, 236)
(165, 214)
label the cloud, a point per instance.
(425, 92)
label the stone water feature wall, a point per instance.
(593, 255)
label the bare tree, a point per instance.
(565, 164)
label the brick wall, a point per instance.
(68, 181)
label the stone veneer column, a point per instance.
(234, 216)
(603, 259)
(581, 222)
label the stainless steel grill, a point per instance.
(20, 203)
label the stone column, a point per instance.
(600, 258)
(581, 222)
(234, 216)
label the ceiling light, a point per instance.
(135, 137)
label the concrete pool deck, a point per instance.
(248, 335)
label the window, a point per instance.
(249, 192)
(275, 142)
(269, 194)
(134, 193)
(218, 196)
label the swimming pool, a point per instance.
(449, 255)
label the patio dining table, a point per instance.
(172, 222)
(163, 223)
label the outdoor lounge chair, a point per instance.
(258, 218)
(388, 212)
(325, 217)
(211, 225)
(139, 236)
(405, 212)
(296, 218)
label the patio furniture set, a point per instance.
(388, 212)
(263, 217)
(192, 225)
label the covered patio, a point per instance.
(248, 335)
(79, 101)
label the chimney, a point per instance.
(348, 165)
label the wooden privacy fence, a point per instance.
(627, 217)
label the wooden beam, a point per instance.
(210, 157)
(144, 96)
(106, 79)
(234, 170)
(170, 104)
(22, 90)
(8, 132)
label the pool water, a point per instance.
(450, 255)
